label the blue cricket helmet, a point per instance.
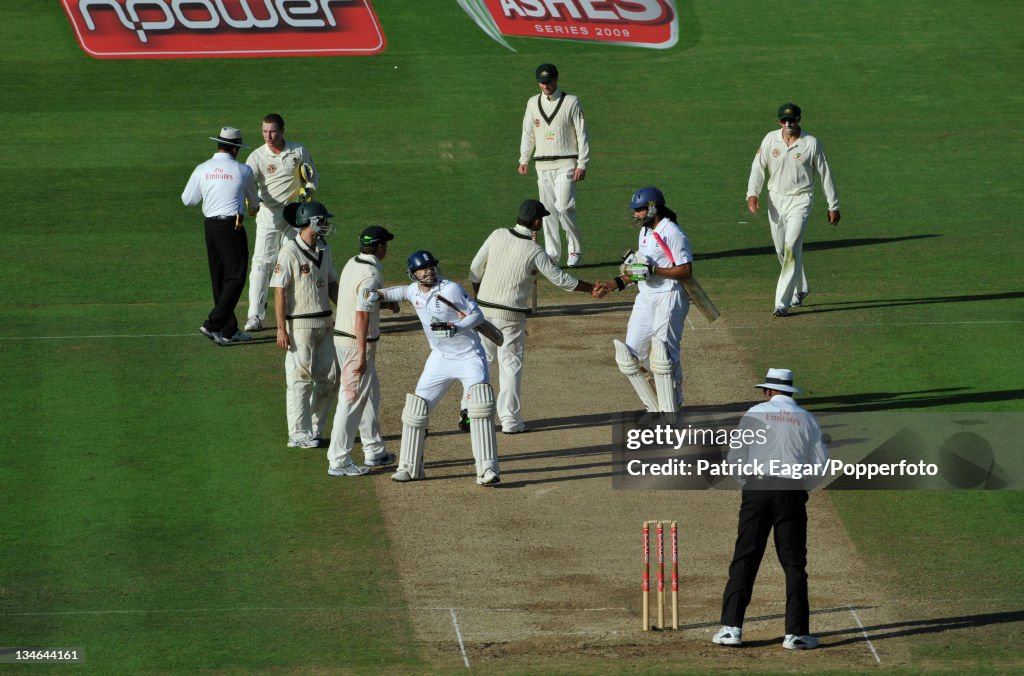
(421, 259)
(644, 197)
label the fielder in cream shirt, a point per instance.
(275, 165)
(791, 157)
(502, 273)
(555, 132)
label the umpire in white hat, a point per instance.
(784, 456)
(223, 185)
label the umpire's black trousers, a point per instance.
(762, 511)
(227, 251)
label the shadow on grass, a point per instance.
(781, 617)
(936, 625)
(809, 246)
(879, 632)
(819, 308)
(893, 401)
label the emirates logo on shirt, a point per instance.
(195, 29)
(634, 23)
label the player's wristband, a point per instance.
(619, 283)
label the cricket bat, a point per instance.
(700, 298)
(693, 288)
(485, 328)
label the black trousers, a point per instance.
(762, 511)
(227, 252)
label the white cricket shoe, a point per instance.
(402, 476)
(573, 260)
(308, 442)
(254, 324)
(212, 335)
(490, 478)
(728, 636)
(799, 642)
(350, 469)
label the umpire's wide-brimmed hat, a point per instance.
(229, 136)
(780, 380)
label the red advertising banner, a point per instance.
(196, 29)
(637, 23)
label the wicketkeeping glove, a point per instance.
(442, 329)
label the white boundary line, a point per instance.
(871, 645)
(458, 635)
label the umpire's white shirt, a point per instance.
(222, 184)
(791, 436)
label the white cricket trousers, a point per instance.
(311, 378)
(510, 370)
(658, 315)
(358, 407)
(441, 371)
(271, 229)
(787, 215)
(558, 194)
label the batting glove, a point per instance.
(640, 271)
(443, 329)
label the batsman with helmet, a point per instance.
(658, 267)
(448, 316)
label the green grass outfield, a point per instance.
(148, 513)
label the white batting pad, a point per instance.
(481, 411)
(630, 367)
(414, 434)
(664, 377)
